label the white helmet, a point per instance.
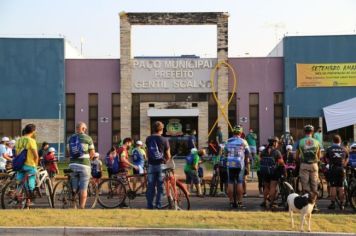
(289, 147)
(51, 149)
(353, 145)
(5, 139)
(261, 148)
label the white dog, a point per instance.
(303, 204)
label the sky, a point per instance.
(255, 26)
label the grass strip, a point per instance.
(173, 219)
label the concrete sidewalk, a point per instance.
(73, 231)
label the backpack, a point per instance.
(19, 160)
(189, 159)
(352, 159)
(94, 169)
(109, 162)
(267, 164)
(75, 147)
(153, 151)
(116, 165)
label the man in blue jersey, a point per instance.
(237, 153)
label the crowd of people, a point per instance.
(232, 159)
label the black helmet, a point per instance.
(308, 128)
(273, 139)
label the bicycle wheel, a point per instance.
(352, 198)
(62, 195)
(215, 181)
(182, 197)
(91, 195)
(182, 202)
(13, 196)
(111, 193)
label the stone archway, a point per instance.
(220, 19)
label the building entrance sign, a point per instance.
(172, 75)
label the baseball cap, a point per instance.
(139, 142)
(12, 142)
(51, 149)
(5, 139)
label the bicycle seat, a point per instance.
(67, 171)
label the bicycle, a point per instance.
(176, 195)
(284, 188)
(17, 195)
(5, 177)
(111, 192)
(64, 196)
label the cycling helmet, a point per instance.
(261, 148)
(51, 149)
(237, 129)
(289, 147)
(308, 128)
(353, 146)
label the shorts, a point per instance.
(80, 176)
(275, 176)
(235, 174)
(253, 149)
(191, 177)
(336, 176)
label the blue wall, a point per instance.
(31, 78)
(308, 102)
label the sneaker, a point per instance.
(123, 205)
(240, 205)
(331, 206)
(316, 209)
(245, 195)
(342, 207)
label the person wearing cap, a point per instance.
(237, 152)
(138, 158)
(191, 169)
(50, 163)
(257, 160)
(4, 156)
(272, 169)
(96, 167)
(10, 150)
(308, 155)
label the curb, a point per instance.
(107, 231)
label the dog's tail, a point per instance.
(289, 187)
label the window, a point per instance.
(254, 112)
(278, 114)
(70, 114)
(296, 126)
(10, 128)
(115, 104)
(93, 118)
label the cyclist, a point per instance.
(109, 160)
(27, 141)
(237, 153)
(81, 150)
(308, 155)
(272, 169)
(352, 156)
(291, 165)
(337, 158)
(286, 139)
(96, 168)
(50, 163)
(222, 169)
(138, 158)
(125, 164)
(191, 169)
